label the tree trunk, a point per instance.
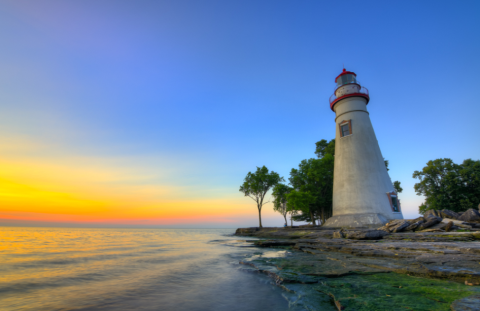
(313, 219)
(291, 220)
(285, 216)
(260, 218)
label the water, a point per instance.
(131, 269)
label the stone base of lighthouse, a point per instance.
(368, 220)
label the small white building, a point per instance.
(363, 193)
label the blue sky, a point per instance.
(194, 94)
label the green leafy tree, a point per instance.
(470, 181)
(323, 147)
(396, 185)
(314, 177)
(303, 202)
(386, 164)
(279, 194)
(448, 185)
(256, 185)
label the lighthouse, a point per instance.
(363, 194)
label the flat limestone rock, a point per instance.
(367, 235)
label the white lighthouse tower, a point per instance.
(363, 194)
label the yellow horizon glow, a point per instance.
(82, 189)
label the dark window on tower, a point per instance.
(345, 128)
(394, 203)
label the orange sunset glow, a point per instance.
(74, 189)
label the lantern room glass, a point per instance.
(346, 79)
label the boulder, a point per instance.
(367, 235)
(393, 223)
(470, 215)
(414, 225)
(440, 225)
(400, 226)
(432, 213)
(445, 213)
(430, 222)
(384, 228)
(412, 221)
(449, 226)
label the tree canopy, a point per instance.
(313, 185)
(256, 185)
(396, 185)
(323, 147)
(447, 185)
(279, 194)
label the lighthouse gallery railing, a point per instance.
(363, 90)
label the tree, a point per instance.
(323, 147)
(386, 164)
(279, 194)
(314, 177)
(470, 181)
(256, 186)
(396, 185)
(447, 185)
(301, 202)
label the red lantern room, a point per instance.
(347, 86)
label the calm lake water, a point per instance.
(131, 269)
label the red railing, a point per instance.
(363, 90)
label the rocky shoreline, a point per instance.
(365, 269)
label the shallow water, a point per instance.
(131, 269)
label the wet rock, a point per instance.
(274, 243)
(470, 303)
(433, 220)
(470, 215)
(367, 235)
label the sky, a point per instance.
(151, 113)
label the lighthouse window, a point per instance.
(345, 79)
(345, 128)
(394, 203)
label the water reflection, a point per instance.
(131, 269)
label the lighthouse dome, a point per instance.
(346, 84)
(346, 77)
